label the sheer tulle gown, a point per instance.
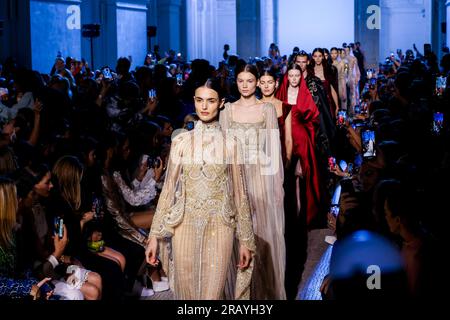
(257, 129)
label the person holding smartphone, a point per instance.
(13, 288)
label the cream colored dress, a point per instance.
(202, 208)
(257, 129)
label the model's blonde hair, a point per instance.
(68, 172)
(8, 210)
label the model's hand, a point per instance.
(150, 251)
(245, 256)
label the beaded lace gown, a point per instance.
(203, 207)
(342, 80)
(257, 129)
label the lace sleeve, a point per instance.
(224, 117)
(14, 288)
(243, 216)
(142, 194)
(170, 193)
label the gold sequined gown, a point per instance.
(203, 207)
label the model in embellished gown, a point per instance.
(354, 76)
(320, 68)
(203, 207)
(339, 64)
(256, 125)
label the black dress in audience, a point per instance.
(112, 276)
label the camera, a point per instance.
(368, 143)
(58, 227)
(152, 162)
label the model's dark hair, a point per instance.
(213, 84)
(270, 73)
(247, 68)
(293, 66)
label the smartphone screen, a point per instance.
(179, 79)
(107, 74)
(343, 165)
(441, 84)
(341, 118)
(368, 143)
(331, 163)
(438, 122)
(334, 210)
(59, 227)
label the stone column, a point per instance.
(132, 31)
(226, 27)
(268, 22)
(248, 28)
(210, 24)
(152, 20)
(169, 24)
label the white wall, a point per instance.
(132, 33)
(309, 24)
(403, 23)
(210, 25)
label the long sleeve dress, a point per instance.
(264, 177)
(202, 207)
